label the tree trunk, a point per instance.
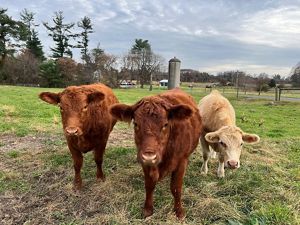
(150, 88)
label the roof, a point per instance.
(174, 60)
(163, 81)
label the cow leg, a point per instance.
(98, 156)
(213, 154)
(77, 161)
(205, 153)
(149, 186)
(221, 170)
(176, 187)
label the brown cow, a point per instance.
(167, 128)
(86, 121)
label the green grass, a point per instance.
(13, 154)
(11, 181)
(265, 190)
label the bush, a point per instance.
(50, 74)
(263, 88)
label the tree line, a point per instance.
(23, 61)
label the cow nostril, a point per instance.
(149, 157)
(233, 164)
(72, 130)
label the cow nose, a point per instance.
(72, 130)
(233, 164)
(149, 157)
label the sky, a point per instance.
(211, 36)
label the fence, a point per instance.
(279, 91)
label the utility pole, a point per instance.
(237, 84)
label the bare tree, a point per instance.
(23, 69)
(67, 68)
(262, 83)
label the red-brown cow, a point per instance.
(86, 121)
(167, 128)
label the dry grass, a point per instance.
(38, 186)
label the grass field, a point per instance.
(36, 170)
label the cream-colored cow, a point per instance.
(221, 133)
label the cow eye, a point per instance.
(165, 126)
(85, 108)
(242, 144)
(135, 125)
(223, 144)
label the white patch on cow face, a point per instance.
(232, 157)
(230, 146)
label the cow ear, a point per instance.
(95, 96)
(212, 137)
(122, 112)
(180, 112)
(49, 97)
(250, 138)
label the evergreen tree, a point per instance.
(33, 43)
(10, 29)
(50, 74)
(142, 52)
(87, 27)
(61, 34)
(35, 46)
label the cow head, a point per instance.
(76, 105)
(228, 141)
(153, 119)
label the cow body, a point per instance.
(221, 133)
(167, 130)
(86, 121)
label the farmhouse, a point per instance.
(163, 83)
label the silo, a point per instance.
(174, 73)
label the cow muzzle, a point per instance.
(149, 158)
(232, 164)
(72, 131)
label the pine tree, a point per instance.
(10, 29)
(143, 54)
(35, 46)
(61, 34)
(87, 27)
(33, 43)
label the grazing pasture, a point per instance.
(36, 170)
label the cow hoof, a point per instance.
(77, 187)
(221, 176)
(147, 212)
(180, 213)
(101, 179)
(204, 170)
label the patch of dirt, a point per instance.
(49, 197)
(121, 138)
(9, 142)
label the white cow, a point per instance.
(221, 133)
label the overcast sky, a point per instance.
(207, 35)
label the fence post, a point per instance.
(279, 94)
(276, 93)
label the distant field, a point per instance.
(36, 169)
